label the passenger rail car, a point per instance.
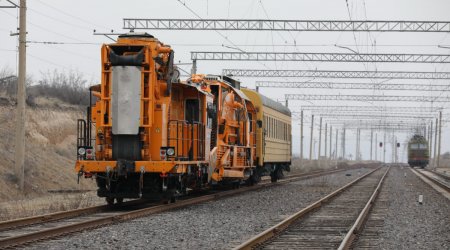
(274, 148)
(418, 152)
(147, 134)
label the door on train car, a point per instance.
(192, 117)
(192, 110)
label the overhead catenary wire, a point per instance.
(70, 15)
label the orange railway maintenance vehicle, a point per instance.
(149, 135)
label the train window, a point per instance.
(274, 128)
(418, 146)
(278, 129)
(266, 126)
(287, 132)
(271, 127)
(192, 110)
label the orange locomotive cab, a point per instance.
(145, 133)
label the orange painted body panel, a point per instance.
(147, 166)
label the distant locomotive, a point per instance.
(149, 135)
(418, 152)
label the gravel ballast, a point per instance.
(220, 224)
(406, 223)
(410, 225)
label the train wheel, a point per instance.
(110, 201)
(274, 177)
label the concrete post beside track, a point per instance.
(343, 144)
(320, 139)
(384, 147)
(435, 143)
(336, 144)
(19, 154)
(376, 146)
(439, 143)
(311, 138)
(326, 137)
(430, 136)
(371, 143)
(356, 147)
(331, 137)
(301, 138)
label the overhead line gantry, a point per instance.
(336, 74)
(376, 116)
(286, 25)
(319, 57)
(364, 113)
(352, 85)
(352, 108)
(367, 98)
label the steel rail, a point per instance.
(442, 175)
(362, 218)
(21, 222)
(7, 225)
(441, 184)
(28, 221)
(79, 226)
(281, 226)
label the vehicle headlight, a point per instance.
(81, 151)
(170, 151)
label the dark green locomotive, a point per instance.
(418, 152)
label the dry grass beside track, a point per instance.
(323, 164)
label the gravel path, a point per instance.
(408, 224)
(219, 224)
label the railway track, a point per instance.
(26, 230)
(439, 179)
(331, 222)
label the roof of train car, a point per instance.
(267, 102)
(275, 105)
(417, 138)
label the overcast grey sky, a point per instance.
(73, 22)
